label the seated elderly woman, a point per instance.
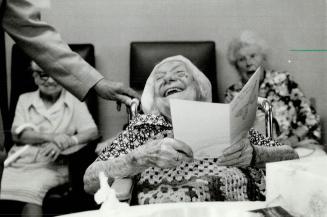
(50, 120)
(164, 167)
(298, 121)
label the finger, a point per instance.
(230, 157)
(183, 157)
(239, 162)
(233, 149)
(170, 134)
(182, 148)
(130, 92)
(124, 99)
(55, 156)
(118, 106)
(161, 161)
(51, 155)
(45, 151)
(52, 152)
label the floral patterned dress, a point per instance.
(199, 180)
(291, 109)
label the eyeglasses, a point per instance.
(43, 76)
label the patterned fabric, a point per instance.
(199, 180)
(291, 109)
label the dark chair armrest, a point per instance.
(71, 197)
(78, 162)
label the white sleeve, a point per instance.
(82, 117)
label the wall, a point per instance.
(112, 24)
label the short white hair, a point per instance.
(247, 38)
(204, 85)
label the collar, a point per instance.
(149, 119)
(38, 104)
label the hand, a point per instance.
(102, 145)
(115, 91)
(163, 153)
(238, 155)
(63, 141)
(50, 151)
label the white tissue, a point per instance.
(106, 196)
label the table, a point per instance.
(195, 209)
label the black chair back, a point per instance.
(145, 55)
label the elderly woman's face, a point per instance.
(248, 59)
(172, 80)
(46, 84)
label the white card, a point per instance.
(209, 128)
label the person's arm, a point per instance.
(269, 150)
(24, 131)
(43, 44)
(123, 166)
(256, 150)
(163, 153)
(30, 136)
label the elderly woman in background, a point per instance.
(163, 166)
(51, 121)
(298, 121)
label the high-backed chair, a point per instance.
(144, 56)
(69, 197)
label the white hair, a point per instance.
(247, 38)
(204, 85)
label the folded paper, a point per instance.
(209, 128)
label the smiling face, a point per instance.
(46, 84)
(172, 80)
(248, 59)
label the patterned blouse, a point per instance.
(291, 109)
(199, 180)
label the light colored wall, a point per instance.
(112, 24)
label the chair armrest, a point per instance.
(266, 106)
(71, 197)
(123, 188)
(78, 160)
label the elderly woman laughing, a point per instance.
(163, 167)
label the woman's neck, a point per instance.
(49, 100)
(262, 77)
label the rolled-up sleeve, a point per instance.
(82, 117)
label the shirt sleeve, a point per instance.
(82, 117)
(42, 43)
(268, 150)
(21, 120)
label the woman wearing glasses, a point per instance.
(50, 120)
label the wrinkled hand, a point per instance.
(115, 91)
(50, 151)
(238, 155)
(63, 141)
(163, 153)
